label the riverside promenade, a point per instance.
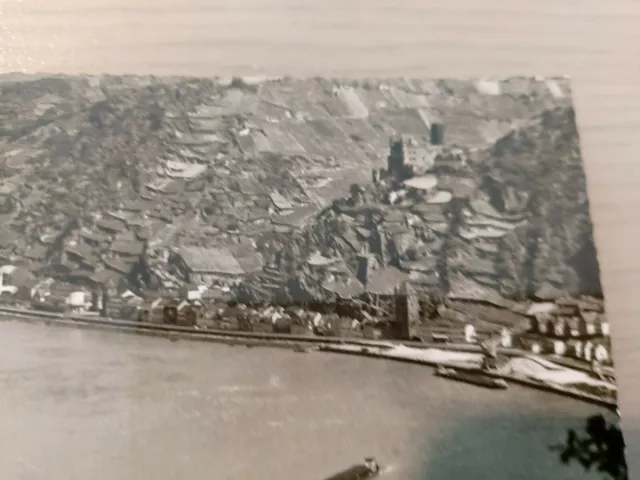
(463, 356)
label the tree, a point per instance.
(601, 447)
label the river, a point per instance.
(80, 405)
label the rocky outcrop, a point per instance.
(520, 226)
(537, 171)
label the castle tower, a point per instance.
(436, 134)
(395, 160)
(407, 311)
(364, 268)
(96, 301)
(106, 298)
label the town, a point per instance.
(439, 223)
(420, 207)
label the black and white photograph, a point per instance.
(318, 278)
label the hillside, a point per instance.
(543, 161)
(517, 225)
(96, 170)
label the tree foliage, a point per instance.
(600, 447)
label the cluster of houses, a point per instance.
(324, 319)
(571, 328)
(566, 327)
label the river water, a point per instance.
(79, 405)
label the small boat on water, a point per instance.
(475, 378)
(363, 471)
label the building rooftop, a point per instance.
(385, 280)
(280, 202)
(426, 182)
(210, 260)
(441, 197)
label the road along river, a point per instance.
(89, 405)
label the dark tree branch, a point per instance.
(601, 447)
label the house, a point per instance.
(557, 328)
(5, 281)
(189, 312)
(506, 338)
(163, 310)
(282, 205)
(36, 253)
(559, 347)
(108, 278)
(384, 281)
(208, 266)
(297, 217)
(93, 239)
(339, 272)
(373, 331)
(17, 282)
(111, 226)
(603, 325)
(486, 249)
(59, 296)
(118, 265)
(482, 270)
(337, 289)
(421, 185)
(470, 335)
(78, 252)
(327, 325)
(125, 306)
(192, 292)
(127, 248)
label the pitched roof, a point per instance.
(80, 250)
(406, 289)
(385, 280)
(36, 252)
(210, 260)
(96, 237)
(118, 265)
(348, 289)
(105, 276)
(426, 182)
(127, 248)
(280, 202)
(110, 224)
(426, 264)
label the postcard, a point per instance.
(319, 278)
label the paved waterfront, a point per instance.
(86, 405)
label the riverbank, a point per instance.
(104, 398)
(472, 362)
(220, 335)
(159, 331)
(468, 357)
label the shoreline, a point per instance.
(286, 341)
(526, 382)
(211, 334)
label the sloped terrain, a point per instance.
(96, 170)
(520, 227)
(555, 250)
